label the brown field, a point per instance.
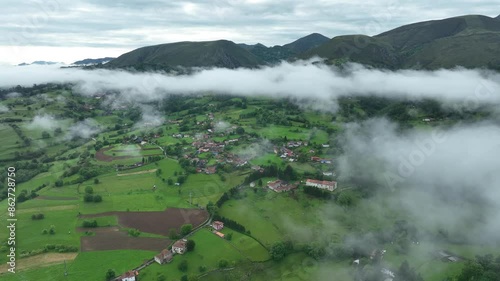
(119, 240)
(40, 261)
(157, 222)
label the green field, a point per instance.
(209, 250)
(248, 246)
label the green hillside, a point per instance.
(430, 45)
(306, 43)
(221, 53)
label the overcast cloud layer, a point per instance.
(302, 81)
(63, 30)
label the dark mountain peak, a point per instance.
(413, 35)
(38, 62)
(444, 43)
(306, 43)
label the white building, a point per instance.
(329, 185)
(179, 247)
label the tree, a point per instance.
(471, 271)
(170, 181)
(240, 131)
(96, 181)
(110, 274)
(172, 234)
(190, 245)
(52, 230)
(45, 135)
(229, 236)
(89, 190)
(406, 273)
(183, 266)
(260, 183)
(345, 199)
(88, 198)
(97, 198)
(185, 229)
(59, 183)
(277, 251)
(223, 263)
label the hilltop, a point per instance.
(469, 41)
(220, 53)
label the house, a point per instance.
(273, 185)
(329, 185)
(129, 276)
(280, 186)
(179, 246)
(325, 145)
(315, 158)
(164, 256)
(218, 225)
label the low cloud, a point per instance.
(43, 122)
(83, 129)
(3, 108)
(221, 126)
(315, 85)
(255, 150)
(447, 177)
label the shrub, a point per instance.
(190, 245)
(134, 232)
(37, 216)
(223, 263)
(185, 229)
(183, 266)
(89, 223)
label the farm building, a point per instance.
(164, 256)
(179, 246)
(280, 186)
(218, 225)
(129, 276)
(329, 185)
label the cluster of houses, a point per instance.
(166, 255)
(321, 160)
(217, 149)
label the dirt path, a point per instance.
(46, 209)
(40, 261)
(138, 173)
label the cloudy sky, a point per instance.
(65, 31)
